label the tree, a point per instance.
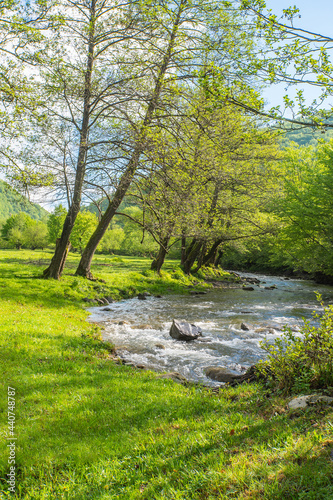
(35, 235)
(112, 240)
(193, 37)
(13, 229)
(294, 56)
(76, 82)
(306, 237)
(21, 230)
(210, 180)
(55, 223)
(84, 226)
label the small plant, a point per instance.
(300, 362)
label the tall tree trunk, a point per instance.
(158, 262)
(58, 260)
(127, 177)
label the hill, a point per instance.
(305, 136)
(12, 202)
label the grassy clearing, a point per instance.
(88, 428)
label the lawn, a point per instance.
(89, 428)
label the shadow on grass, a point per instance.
(81, 412)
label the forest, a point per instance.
(140, 159)
(157, 110)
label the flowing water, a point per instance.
(140, 328)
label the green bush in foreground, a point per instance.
(299, 362)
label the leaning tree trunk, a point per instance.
(58, 260)
(183, 251)
(192, 255)
(210, 257)
(158, 262)
(200, 257)
(126, 179)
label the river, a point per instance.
(140, 328)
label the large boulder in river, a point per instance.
(182, 330)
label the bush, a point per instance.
(21, 230)
(85, 224)
(55, 223)
(300, 362)
(112, 240)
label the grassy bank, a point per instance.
(88, 428)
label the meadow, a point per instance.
(87, 427)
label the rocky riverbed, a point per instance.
(234, 320)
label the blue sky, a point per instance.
(316, 16)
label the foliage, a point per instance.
(135, 241)
(84, 226)
(302, 237)
(55, 223)
(35, 235)
(21, 230)
(305, 209)
(205, 178)
(299, 57)
(300, 362)
(112, 240)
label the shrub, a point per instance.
(299, 362)
(20, 230)
(112, 240)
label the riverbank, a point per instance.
(87, 427)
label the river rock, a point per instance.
(160, 346)
(247, 288)
(245, 327)
(304, 401)
(221, 374)
(253, 281)
(182, 330)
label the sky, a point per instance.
(316, 16)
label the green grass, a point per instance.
(88, 428)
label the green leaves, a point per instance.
(299, 362)
(21, 230)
